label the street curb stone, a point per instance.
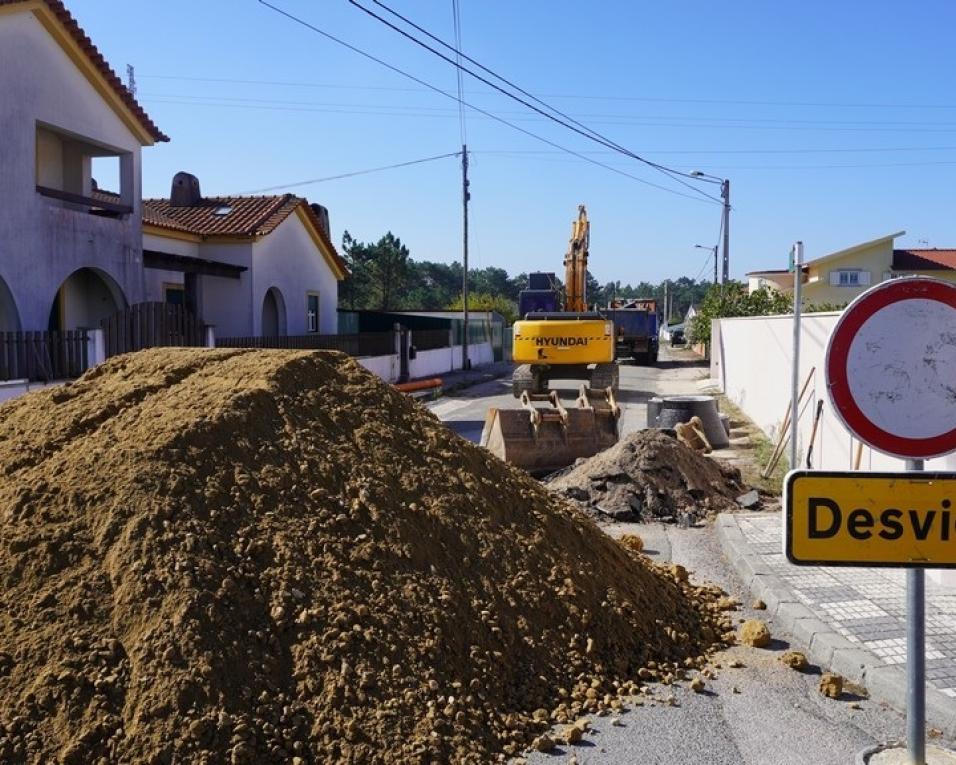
(823, 644)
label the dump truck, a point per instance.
(636, 329)
(558, 338)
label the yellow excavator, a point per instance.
(558, 339)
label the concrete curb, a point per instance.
(825, 646)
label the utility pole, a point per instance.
(725, 195)
(667, 313)
(465, 196)
(130, 79)
(715, 264)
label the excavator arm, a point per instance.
(576, 264)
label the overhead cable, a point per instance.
(352, 174)
(567, 122)
(478, 109)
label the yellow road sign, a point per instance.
(870, 519)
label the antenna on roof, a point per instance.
(130, 79)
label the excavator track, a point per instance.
(605, 376)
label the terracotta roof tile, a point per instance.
(246, 217)
(58, 9)
(924, 260)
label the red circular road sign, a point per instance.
(891, 367)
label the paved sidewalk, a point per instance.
(850, 619)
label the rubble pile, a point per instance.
(230, 556)
(650, 475)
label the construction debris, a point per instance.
(755, 633)
(650, 475)
(795, 660)
(232, 556)
(831, 685)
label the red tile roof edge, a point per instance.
(58, 9)
(907, 259)
(273, 215)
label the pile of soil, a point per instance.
(650, 475)
(272, 557)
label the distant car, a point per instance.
(677, 337)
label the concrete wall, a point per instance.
(432, 363)
(290, 261)
(42, 240)
(442, 360)
(751, 358)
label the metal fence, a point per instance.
(364, 344)
(430, 339)
(43, 355)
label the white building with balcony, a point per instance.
(67, 259)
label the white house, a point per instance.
(72, 255)
(67, 259)
(250, 266)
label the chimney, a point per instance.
(185, 190)
(323, 215)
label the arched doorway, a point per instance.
(9, 317)
(273, 314)
(86, 297)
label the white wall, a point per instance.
(751, 358)
(42, 241)
(442, 360)
(289, 260)
(386, 367)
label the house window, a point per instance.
(312, 317)
(849, 278)
(174, 294)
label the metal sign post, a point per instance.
(795, 383)
(916, 656)
(890, 366)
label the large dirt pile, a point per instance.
(272, 557)
(650, 475)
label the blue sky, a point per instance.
(769, 95)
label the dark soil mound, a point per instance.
(650, 475)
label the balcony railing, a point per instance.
(96, 206)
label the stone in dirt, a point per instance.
(254, 556)
(697, 685)
(795, 660)
(749, 500)
(650, 475)
(831, 685)
(758, 605)
(632, 542)
(755, 633)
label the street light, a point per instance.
(725, 195)
(714, 250)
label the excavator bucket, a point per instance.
(543, 439)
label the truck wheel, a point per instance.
(605, 376)
(522, 380)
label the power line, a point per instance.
(571, 124)
(436, 89)
(580, 96)
(456, 14)
(432, 111)
(353, 174)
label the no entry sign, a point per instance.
(891, 367)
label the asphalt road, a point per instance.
(776, 716)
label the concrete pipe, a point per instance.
(677, 409)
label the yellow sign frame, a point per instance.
(900, 520)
